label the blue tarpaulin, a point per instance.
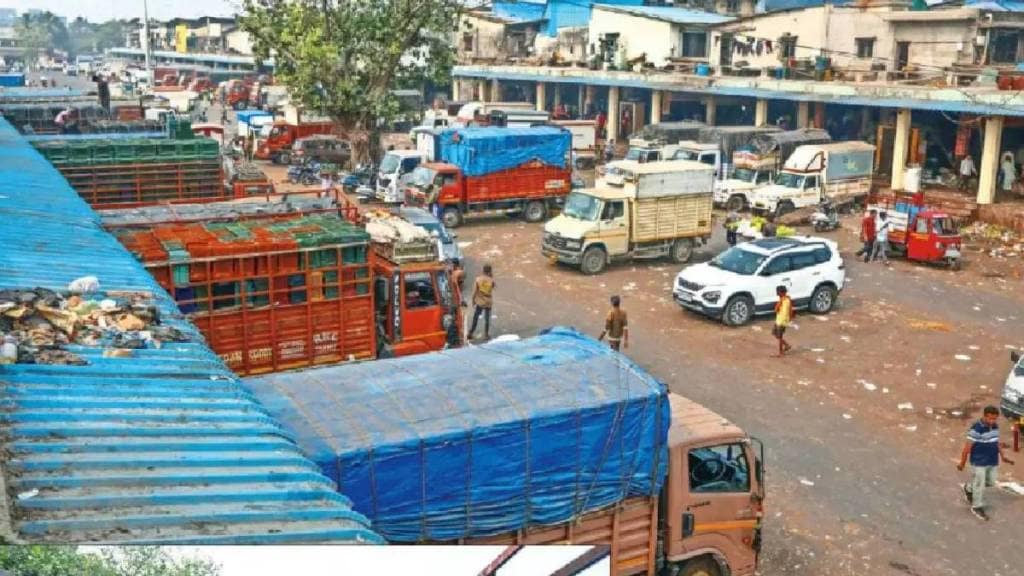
(481, 440)
(12, 80)
(480, 151)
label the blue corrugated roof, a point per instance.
(164, 446)
(995, 5)
(764, 6)
(520, 10)
(671, 14)
(575, 13)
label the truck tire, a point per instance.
(594, 260)
(736, 203)
(700, 567)
(783, 208)
(535, 211)
(451, 217)
(738, 311)
(822, 299)
(284, 158)
(682, 250)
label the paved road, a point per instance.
(872, 492)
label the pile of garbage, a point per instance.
(36, 325)
(995, 240)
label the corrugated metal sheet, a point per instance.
(520, 10)
(161, 447)
(672, 14)
(575, 13)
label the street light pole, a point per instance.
(145, 30)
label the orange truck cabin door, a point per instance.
(421, 314)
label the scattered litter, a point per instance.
(930, 325)
(910, 427)
(506, 338)
(84, 285)
(756, 328)
(956, 413)
(29, 494)
(917, 372)
(931, 385)
(998, 319)
(905, 406)
(465, 244)
(821, 318)
(819, 360)
(977, 309)
(844, 338)
(983, 387)
(847, 417)
(1012, 487)
(817, 350)
(868, 385)
(117, 353)
(885, 390)
(974, 347)
(803, 382)
(962, 357)
(929, 411)
(806, 482)
(630, 286)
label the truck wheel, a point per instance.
(535, 211)
(284, 158)
(822, 299)
(682, 250)
(700, 567)
(783, 208)
(452, 217)
(594, 260)
(736, 203)
(738, 311)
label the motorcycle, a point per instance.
(306, 172)
(826, 218)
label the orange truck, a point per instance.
(705, 522)
(277, 147)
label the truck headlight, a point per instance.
(573, 244)
(446, 321)
(712, 296)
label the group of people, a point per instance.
(874, 234)
(1008, 176)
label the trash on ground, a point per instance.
(1012, 487)
(806, 482)
(962, 357)
(868, 385)
(905, 406)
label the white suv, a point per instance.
(1013, 391)
(741, 282)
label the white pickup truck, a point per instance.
(838, 172)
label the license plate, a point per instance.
(683, 297)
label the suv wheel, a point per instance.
(738, 311)
(822, 299)
(535, 211)
(736, 203)
(451, 217)
(594, 260)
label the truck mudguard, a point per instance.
(481, 440)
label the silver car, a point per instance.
(449, 249)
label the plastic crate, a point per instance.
(207, 148)
(79, 154)
(103, 152)
(166, 150)
(145, 150)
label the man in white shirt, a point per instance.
(882, 238)
(967, 171)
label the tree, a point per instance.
(121, 561)
(38, 33)
(345, 57)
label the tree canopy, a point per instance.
(344, 58)
(121, 561)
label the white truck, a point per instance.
(756, 164)
(640, 151)
(839, 172)
(662, 209)
(394, 173)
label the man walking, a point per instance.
(984, 450)
(881, 248)
(483, 298)
(867, 234)
(783, 316)
(967, 171)
(732, 222)
(616, 327)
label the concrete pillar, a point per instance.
(761, 112)
(819, 115)
(558, 95)
(579, 102)
(865, 121)
(542, 96)
(589, 94)
(481, 90)
(899, 148)
(989, 169)
(456, 92)
(803, 114)
(495, 90)
(656, 96)
(710, 107)
(613, 114)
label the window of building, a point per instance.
(721, 468)
(695, 44)
(467, 42)
(419, 290)
(787, 46)
(732, 6)
(1004, 46)
(865, 47)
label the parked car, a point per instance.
(449, 248)
(323, 148)
(1013, 391)
(740, 283)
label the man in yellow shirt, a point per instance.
(483, 298)
(783, 315)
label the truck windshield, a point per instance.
(635, 153)
(422, 177)
(685, 155)
(276, 131)
(389, 164)
(943, 227)
(744, 174)
(789, 180)
(582, 206)
(738, 261)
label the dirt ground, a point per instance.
(863, 425)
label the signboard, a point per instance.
(181, 38)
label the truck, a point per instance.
(252, 121)
(527, 445)
(473, 111)
(277, 146)
(756, 164)
(839, 172)
(640, 150)
(672, 131)
(494, 171)
(395, 170)
(664, 209)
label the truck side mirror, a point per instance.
(1015, 356)
(688, 523)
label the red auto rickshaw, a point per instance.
(919, 232)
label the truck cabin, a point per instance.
(712, 499)
(417, 307)
(798, 180)
(643, 154)
(434, 182)
(592, 205)
(752, 175)
(704, 153)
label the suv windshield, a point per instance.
(789, 180)
(738, 261)
(423, 177)
(389, 164)
(581, 206)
